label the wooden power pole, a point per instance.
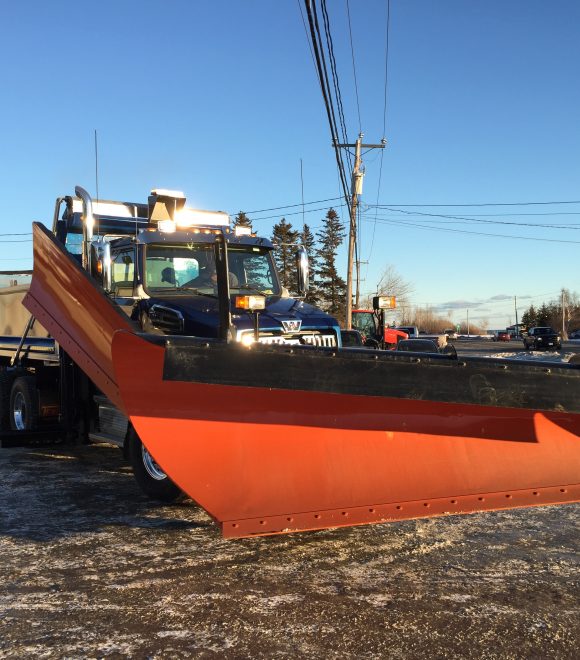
(356, 190)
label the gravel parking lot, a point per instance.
(91, 569)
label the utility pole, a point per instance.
(516, 308)
(468, 323)
(564, 335)
(356, 190)
(358, 281)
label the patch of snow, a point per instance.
(538, 356)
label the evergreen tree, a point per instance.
(525, 320)
(285, 238)
(543, 317)
(532, 317)
(332, 287)
(242, 220)
(309, 242)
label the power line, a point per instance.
(397, 206)
(291, 206)
(270, 217)
(475, 233)
(337, 92)
(384, 129)
(488, 204)
(353, 69)
(306, 33)
(325, 88)
(467, 219)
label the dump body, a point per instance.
(273, 439)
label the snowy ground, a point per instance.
(541, 356)
(90, 569)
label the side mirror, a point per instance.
(303, 270)
(107, 267)
(102, 263)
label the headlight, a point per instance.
(247, 339)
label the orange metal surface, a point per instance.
(79, 316)
(265, 461)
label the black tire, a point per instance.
(149, 476)
(6, 379)
(24, 404)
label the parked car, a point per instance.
(503, 335)
(542, 337)
(575, 334)
(418, 345)
(351, 338)
(411, 330)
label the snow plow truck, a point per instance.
(165, 331)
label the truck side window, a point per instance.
(123, 274)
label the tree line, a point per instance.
(327, 288)
(563, 312)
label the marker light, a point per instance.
(166, 226)
(193, 217)
(250, 302)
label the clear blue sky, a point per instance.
(221, 99)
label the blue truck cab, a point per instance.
(173, 270)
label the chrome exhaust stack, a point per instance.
(88, 225)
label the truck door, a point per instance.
(123, 279)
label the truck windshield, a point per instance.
(181, 268)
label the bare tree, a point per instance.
(393, 284)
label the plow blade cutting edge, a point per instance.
(276, 439)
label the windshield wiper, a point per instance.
(196, 291)
(247, 287)
(182, 289)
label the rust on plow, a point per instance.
(264, 460)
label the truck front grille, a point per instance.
(308, 338)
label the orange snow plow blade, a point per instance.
(75, 311)
(271, 457)
(277, 439)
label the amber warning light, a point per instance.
(250, 302)
(384, 302)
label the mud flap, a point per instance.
(265, 460)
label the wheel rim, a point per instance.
(154, 471)
(19, 411)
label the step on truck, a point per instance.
(224, 388)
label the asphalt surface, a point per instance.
(91, 569)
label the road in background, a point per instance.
(487, 347)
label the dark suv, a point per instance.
(542, 337)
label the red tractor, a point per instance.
(371, 324)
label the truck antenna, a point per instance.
(96, 168)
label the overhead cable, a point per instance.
(476, 233)
(323, 80)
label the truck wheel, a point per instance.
(149, 476)
(24, 404)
